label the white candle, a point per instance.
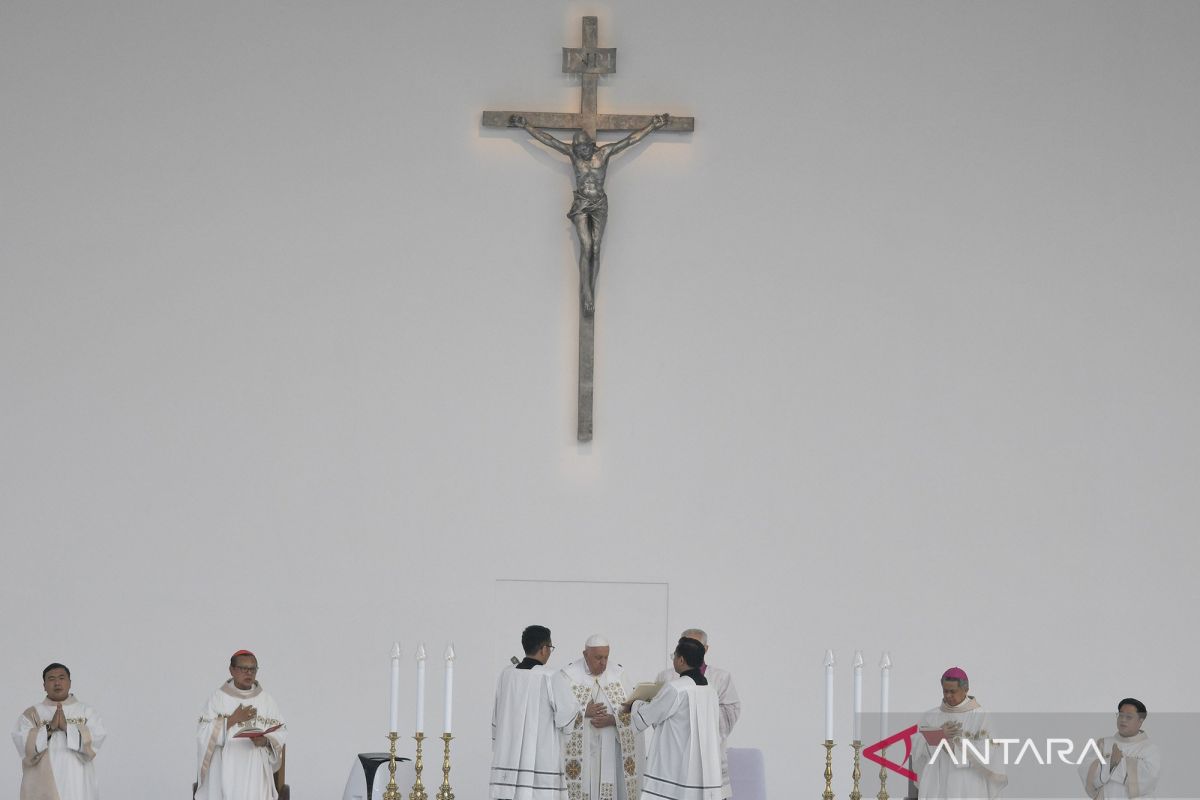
(858, 670)
(394, 704)
(421, 688)
(449, 684)
(885, 677)
(829, 695)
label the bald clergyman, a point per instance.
(602, 754)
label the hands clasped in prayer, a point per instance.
(59, 721)
(598, 714)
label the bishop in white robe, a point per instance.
(684, 762)
(230, 766)
(1131, 763)
(958, 774)
(727, 699)
(57, 740)
(531, 711)
(602, 754)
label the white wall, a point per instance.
(897, 351)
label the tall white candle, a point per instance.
(885, 678)
(421, 688)
(858, 672)
(449, 684)
(394, 695)
(829, 695)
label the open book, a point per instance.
(644, 691)
(254, 733)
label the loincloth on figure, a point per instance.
(591, 206)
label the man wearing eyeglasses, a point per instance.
(240, 738)
(532, 708)
(685, 754)
(1132, 762)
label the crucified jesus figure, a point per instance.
(589, 211)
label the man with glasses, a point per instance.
(532, 707)
(602, 754)
(727, 698)
(685, 753)
(57, 740)
(1132, 762)
(240, 738)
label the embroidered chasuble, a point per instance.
(940, 778)
(532, 708)
(685, 754)
(1135, 776)
(231, 768)
(58, 765)
(601, 763)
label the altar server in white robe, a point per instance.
(602, 753)
(532, 709)
(684, 762)
(961, 774)
(233, 767)
(727, 698)
(1132, 762)
(57, 740)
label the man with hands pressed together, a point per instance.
(57, 740)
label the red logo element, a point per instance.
(872, 752)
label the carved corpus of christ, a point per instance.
(589, 160)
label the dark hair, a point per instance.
(691, 651)
(534, 638)
(1138, 704)
(56, 665)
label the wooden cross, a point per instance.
(589, 62)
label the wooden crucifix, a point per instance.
(589, 211)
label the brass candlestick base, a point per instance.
(392, 792)
(418, 788)
(856, 774)
(828, 793)
(444, 792)
(883, 795)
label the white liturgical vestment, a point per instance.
(731, 708)
(59, 766)
(531, 710)
(1136, 775)
(953, 771)
(684, 762)
(232, 768)
(601, 763)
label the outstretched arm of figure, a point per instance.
(658, 121)
(517, 121)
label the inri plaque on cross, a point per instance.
(589, 211)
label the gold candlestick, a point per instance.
(444, 792)
(856, 774)
(828, 793)
(883, 795)
(392, 792)
(418, 788)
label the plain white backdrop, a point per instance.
(897, 351)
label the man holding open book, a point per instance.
(240, 737)
(951, 756)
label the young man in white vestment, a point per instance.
(958, 774)
(727, 698)
(602, 753)
(1132, 762)
(532, 709)
(685, 755)
(236, 756)
(57, 740)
